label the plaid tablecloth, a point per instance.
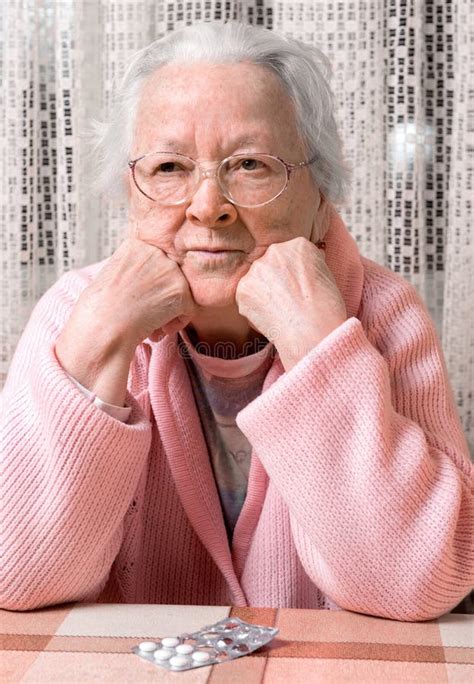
(92, 643)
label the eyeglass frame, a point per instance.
(203, 173)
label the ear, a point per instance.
(131, 205)
(320, 221)
(128, 184)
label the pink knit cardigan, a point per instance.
(360, 489)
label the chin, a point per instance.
(213, 291)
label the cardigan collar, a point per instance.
(344, 261)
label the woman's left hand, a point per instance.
(290, 296)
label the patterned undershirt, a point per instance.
(221, 389)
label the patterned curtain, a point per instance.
(402, 70)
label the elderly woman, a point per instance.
(236, 407)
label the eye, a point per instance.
(167, 167)
(251, 164)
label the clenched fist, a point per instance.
(139, 293)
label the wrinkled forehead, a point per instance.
(215, 104)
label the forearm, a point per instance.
(382, 513)
(70, 472)
(99, 361)
(293, 347)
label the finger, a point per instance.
(157, 335)
(176, 324)
(173, 257)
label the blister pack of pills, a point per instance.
(225, 640)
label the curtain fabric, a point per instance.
(401, 75)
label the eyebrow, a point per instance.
(176, 143)
(240, 142)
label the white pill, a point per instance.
(148, 646)
(163, 654)
(179, 661)
(225, 641)
(184, 649)
(201, 656)
(169, 642)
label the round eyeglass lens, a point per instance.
(248, 180)
(166, 178)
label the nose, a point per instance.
(209, 207)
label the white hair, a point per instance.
(303, 70)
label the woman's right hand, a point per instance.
(139, 293)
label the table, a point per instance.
(92, 643)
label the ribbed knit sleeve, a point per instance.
(70, 470)
(363, 442)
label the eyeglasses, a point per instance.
(246, 180)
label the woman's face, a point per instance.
(209, 112)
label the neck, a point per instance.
(224, 333)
